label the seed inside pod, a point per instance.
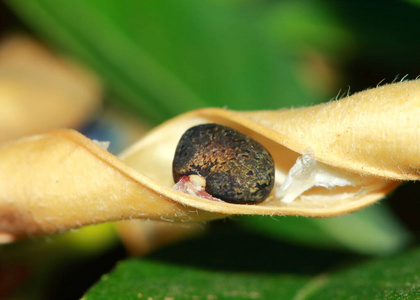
(236, 168)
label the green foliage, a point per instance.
(372, 231)
(161, 280)
(390, 278)
(303, 25)
(415, 2)
(162, 58)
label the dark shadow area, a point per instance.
(9, 21)
(385, 49)
(73, 279)
(230, 248)
(405, 203)
(225, 248)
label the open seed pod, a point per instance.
(330, 159)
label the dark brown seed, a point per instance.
(237, 169)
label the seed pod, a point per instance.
(236, 168)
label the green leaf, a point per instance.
(161, 58)
(372, 231)
(136, 279)
(307, 25)
(415, 2)
(390, 278)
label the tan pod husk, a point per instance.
(40, 91)
(62, 180)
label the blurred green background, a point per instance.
(160, 58)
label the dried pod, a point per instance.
(330, 159)
(40, 91)
(236, 168)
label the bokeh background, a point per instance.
(157, 59)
